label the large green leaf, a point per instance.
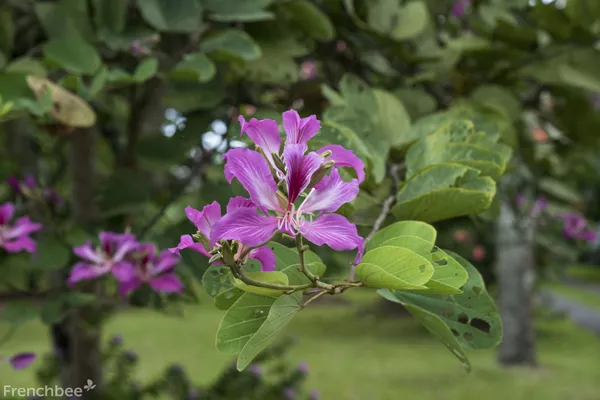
(110, 15)
(217, 280)
(444, 191)
(472, 315)
(411, 21)
(65, 18)
(274, 277)
(404, 228)
(311, 19)
(238, 10)
(395, 120)
(73, 54)
(194, 67)
(394, 267)
(232, 42)
(282, 311)
(172, 15)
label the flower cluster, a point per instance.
(292, 191)
(575, 226)
(130, 262)
(14, 237)
(29, 188)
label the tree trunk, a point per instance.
(516, 277)
(81, 332)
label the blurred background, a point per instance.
(144, 100)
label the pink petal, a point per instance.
(6, 213)
(335, 231)
(129, 286)
(300, 168)
(22, 227)
(330, 193)
(125, 248)
(187, 242)
(87, 252)
(299, 130)
(164, 262)
(24, 243)
(124, 271)
(245, 225)
(253, 172)
(265, 255)
(83, 271)
(168, 283)
(205, 219)
(22, 360)
(265, 133)
(239, 202)
(345, 158)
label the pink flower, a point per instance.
(460, 235)
(204, 221)
(147, 267)
(15, 238)
(460, 7)
(313, 218)
(576, 227)
(30, 188)
(308, 70)
(341, 46)
(106, 258)
(21, 360)
(478, 253)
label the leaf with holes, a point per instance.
(444, 191)
(282, 311)
(217, 280)
(404, 228)
(435, 325)
(393, 267)
(242, 321)
(471, 315)
(274, 277)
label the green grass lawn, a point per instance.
(585, 297)
(357, 358)
(585, 273)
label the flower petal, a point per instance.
(124, 271)
(164, 262)
(83, 271)
(245, 225)
(129, 286)
(22, 360)
(299, 130)
(206, 218)
(330, 193)
(335, 231)
(6, 213)
(187, 242)
(300, 168)
(239, 202)
(345, 158)
(87, 252)
(265, 133)
(22, 226)
(169, 283)
(24, 243)
(253, 172)
(265, 255)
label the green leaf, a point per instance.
(579, 79)
(236, 10)
(242, 321)
(110, 15)
(181, 16)
(51, 254)
(7, 30)
(125, 192)
(281, 313)
(471, 315)
(417, 103)
(65, 18)
(224, 300)
(232, 42)
(73, 54)
(194, 67)
(53, 311)
(404, 228)
(412, 19)
(287, 261)
(394, 268)
(146, 69)
(395, 121)
(448, 276)
(560, 190)
(78, 299)
(18, 312)
(217, 280)
(499, 98)
(274, 277)
(191, 96)
(444, 191)
(331, 95)
(99, 82)
(27, 65)
(435, 325)
(311, 19)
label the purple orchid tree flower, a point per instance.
(147, 267)
(575, 226)
(109, 256)
(14, 237)
(460, 7)
(29, 186)
(274, 210)
(204, 221)
(21, 360)
(539, 206)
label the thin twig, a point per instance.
(313, 298)
(302, 267)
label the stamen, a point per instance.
(303, 202)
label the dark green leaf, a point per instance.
(73, 54)
(232, 42)
(172, 15)
(311, 19)
(51, 254)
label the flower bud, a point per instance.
(326, 153)
(201, 238)
(320, 173)
(227, 253)
(216, 257)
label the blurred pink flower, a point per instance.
(478, 253)
(14, 237)
(308, 70)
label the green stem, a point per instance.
(316, 296)
(302, 267)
